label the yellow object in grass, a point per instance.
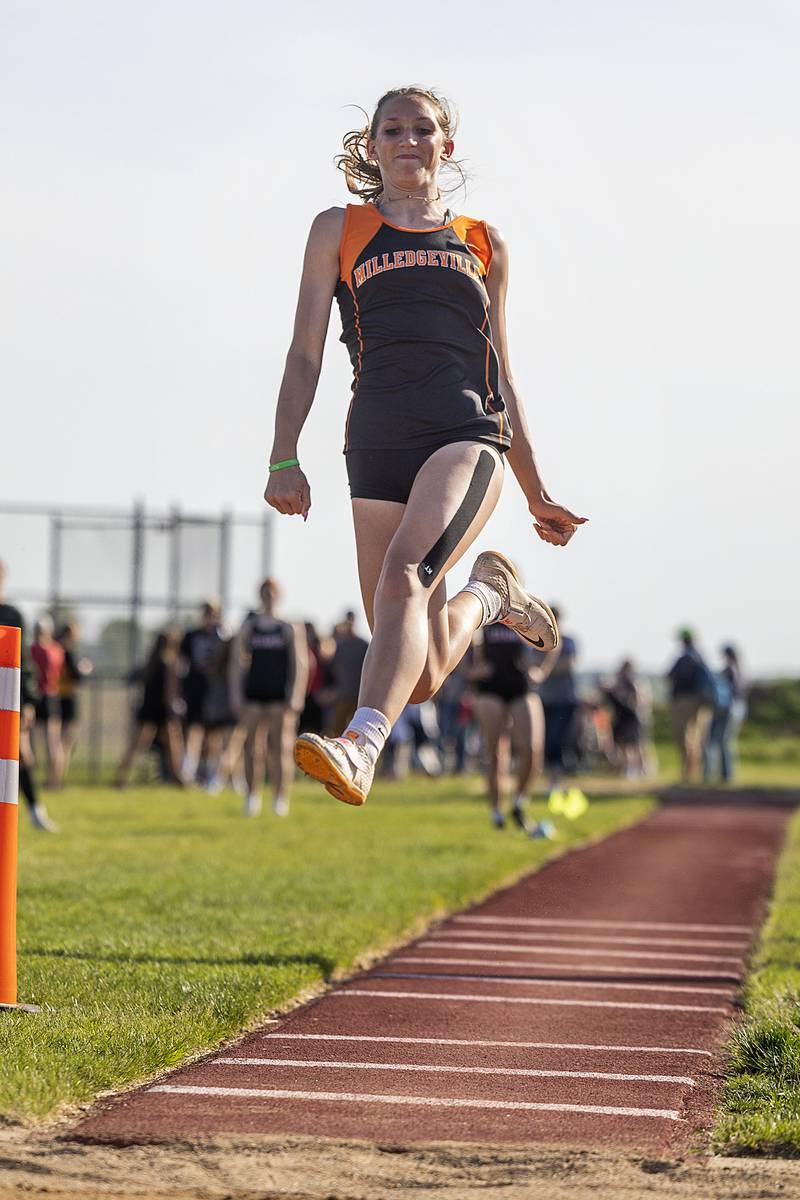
(575, 804)
(556, 801)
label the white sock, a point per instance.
(370, 728)
(490, 598)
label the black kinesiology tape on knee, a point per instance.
(438, 555)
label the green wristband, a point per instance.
(281, 466)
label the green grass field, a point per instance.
(760, 1112)
(158, 923)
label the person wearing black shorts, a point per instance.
(48, 658)
(198, 647)
(510, 716)
(73, 672)
(274, 657)
(429, 427)
(220, 709)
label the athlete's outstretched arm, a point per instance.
(552, 522)
(288, 490)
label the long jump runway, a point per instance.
(586, 1005)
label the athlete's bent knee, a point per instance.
(398, 582)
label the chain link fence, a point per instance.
(123, 575)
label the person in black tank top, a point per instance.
(511, 718)
(197, 650)
(432, 416)
(274, 659)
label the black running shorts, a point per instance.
(506, 690)
(390, 474)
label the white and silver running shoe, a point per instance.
(252, 804)
(521, 611)
(342, 765)
(40, 819)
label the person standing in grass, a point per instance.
(691, 703)
(220, 709)
(558, 692)
(719, 752)
(198, 647)
(158, 714)
(511, 719)
(73, 673)
(48, 659)
(627, 700)
(273, 656)
(346, 666)
(421, 292)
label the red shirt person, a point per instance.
(48, 659)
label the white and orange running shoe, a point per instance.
(341, 764)
(521, 611)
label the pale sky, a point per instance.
(163, 160)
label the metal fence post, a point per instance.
(175, 561)
(224, 560)
(137, 574)
(95, 760)
(56, 531)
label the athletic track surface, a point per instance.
(586, 1005)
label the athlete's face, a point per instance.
(409, 143)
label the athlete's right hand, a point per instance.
(288, 492)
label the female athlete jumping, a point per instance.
(430, 421)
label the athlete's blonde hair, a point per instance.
(362, 173)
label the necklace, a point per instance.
(381, 200)
(384, 199)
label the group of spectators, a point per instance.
(227, 708)
(223, 708)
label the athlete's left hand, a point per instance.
(288, 492)
(554, 523)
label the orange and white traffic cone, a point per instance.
(10, 654)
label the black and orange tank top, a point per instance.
(415, 319)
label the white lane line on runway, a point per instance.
(610, 969)
(541, 1000)
(433, 1068)
(541, 935)
(423, 1041)
(579, 951)
(667, 1114)
(572, 923)
(724, 994)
